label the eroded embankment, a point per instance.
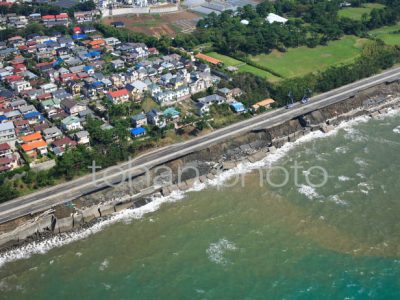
(201, 166)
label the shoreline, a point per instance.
(243, 163)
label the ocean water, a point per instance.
(294, 238)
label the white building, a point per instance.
(20, 86)
(7, 132)
(272, 18)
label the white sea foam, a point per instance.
(355, 135)
(344, 178)
(365, 187)
(397, 129)
(216, 251)
(341, 150)
(104, 265)
(359, 161)
(107, 286)
(128, 215)
(337, 200)
(308, 191)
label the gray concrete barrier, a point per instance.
(107, 210)
(63, 225)
(90, 213)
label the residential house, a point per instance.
(119, 96)
(117, 64)
(82, 137)
(7, 132)
(51, 134)
(136, 89)
(74, 87)
(71, 123)
(5, 150)
(72, 107)
(59, 146)
(61, 94)
(49, 87)
(266, 103)
(8, 163)
(112, 41)
(238, 107)
(34, 117)
(171, 114)
(166, 97)
(139, 131)
(212, 99)
(20, 86)
(33, 145)
(156, 118)
(226, 93)
(84, 16)
(202, 109)
(139, 120)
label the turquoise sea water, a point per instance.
(338, 241)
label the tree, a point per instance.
(7, 192)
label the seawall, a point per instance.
(181, 174)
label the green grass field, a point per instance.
(356, 13)
(303, 60)
(243, 67)
(389, 34)
(227, 60)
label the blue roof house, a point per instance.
(139, 131)
(88, 69)
(3, 118)
(238, 107)
(33, 117)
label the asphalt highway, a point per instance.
(50, 197)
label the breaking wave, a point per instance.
(308, 191)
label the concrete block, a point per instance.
(214, 171)
(78, 219)
(64, 224)
(210, 176)
(182, 186)
(257, 156)
(227, 165)
(203, 178)
(272, 149)
(374, 114)
(45, 223)
(173, 188)
(383, 111)
(327, 128)
(8, 239)
(27, 231)
(122, 206)
(245, 147)
(190, 183)
(107, 210)
(292, 137)
(90, 213)
(165, 191)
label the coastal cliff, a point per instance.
(181, 174)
